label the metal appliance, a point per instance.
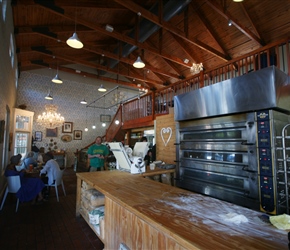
(230, 142)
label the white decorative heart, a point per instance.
(166, 131)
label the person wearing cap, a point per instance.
(31, 188)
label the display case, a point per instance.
(22, 131)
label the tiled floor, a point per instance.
(52, 225)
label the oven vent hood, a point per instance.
(267, 88)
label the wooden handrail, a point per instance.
(144, 110)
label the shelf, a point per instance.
(83, 214)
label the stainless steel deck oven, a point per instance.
(229, 140)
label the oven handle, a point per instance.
(247, 143)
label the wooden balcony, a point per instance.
(141, 112)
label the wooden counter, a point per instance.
(144, 214)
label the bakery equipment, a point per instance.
(134, 164)
(230, 143)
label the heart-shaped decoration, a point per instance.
(166, 135)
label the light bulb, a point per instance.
(86, 129)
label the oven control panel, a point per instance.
(267, 194)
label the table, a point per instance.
(145, 214)
(160, 171)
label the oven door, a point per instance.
(220, 160)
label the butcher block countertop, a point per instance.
(194, 221)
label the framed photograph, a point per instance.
(67, 127)
(51, 132)
(38, 136)
(78, 134)
(66, 138)
(105, 118)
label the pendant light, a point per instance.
(49, 96)
(94, 124)
(139, 64)
(102, 88)
(86, 128)
(104, 123)
(83, 101)
(74, 40)
(56, 79)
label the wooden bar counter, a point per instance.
(144, 214)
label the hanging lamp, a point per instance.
(74, 40)
(49, 96)
(83, 101)
(139, 64)
(102, 88)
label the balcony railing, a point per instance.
(148, 106)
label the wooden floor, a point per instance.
(52, 225)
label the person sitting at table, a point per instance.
(40, 155)
(31, 188)
(49, 171)
(29, 159)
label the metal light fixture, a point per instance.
(139, 64)
(230, 22)
(49, 96)
(238, 1)
(86, 128)
(56, 79)
(102, 88)
(74, 40)
(83, 101)
(50, 119)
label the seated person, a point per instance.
(40, 155)
(50, 169)
(29, 159)
(30, 187)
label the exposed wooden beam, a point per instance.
(235, 22)
(92, 49)
(210, 29)
(166, 25)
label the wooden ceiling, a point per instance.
(196, 30)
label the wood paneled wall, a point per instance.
(166, 138)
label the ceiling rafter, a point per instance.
(166, 25)
(86, 63)
(93, 49)
(251, 21)
(210, 29)
(55, 9)
(235, 22)
(45, 64)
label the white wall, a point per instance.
(34, 86)
(8, 77)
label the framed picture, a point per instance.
(105, 118)
(38, 136)
(66, 138)
(51, 132)
(78, 134)
(67, 127)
